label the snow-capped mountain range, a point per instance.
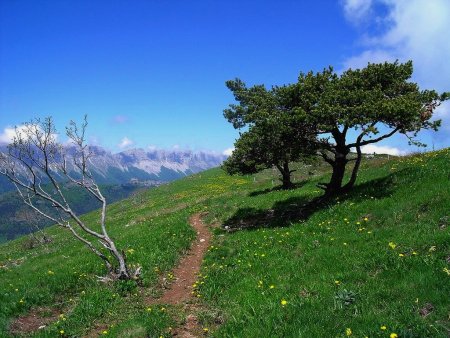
(139, 165)
(163, 165)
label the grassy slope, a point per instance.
(308, 262)
(11, 205)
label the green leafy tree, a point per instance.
(345, 112)
(274, 136)
(375, 102)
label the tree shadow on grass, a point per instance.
(300, 208)
(277, 188)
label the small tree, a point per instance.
(376, 102)
(36, 161)
(271, 143)
(274, 136)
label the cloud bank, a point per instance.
(372, 148)
(228, 151)
(407, 29)
(8, 133)
(416, 30)
(125, 143)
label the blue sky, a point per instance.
(152, 73)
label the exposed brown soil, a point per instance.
(190, 329)
(179, 292)
(34, 320)
(186, 272)
(185, 275)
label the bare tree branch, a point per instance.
(35, 158)
(375, 140)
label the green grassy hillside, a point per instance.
(13, 223)
(374, 263)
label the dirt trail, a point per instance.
(187, 270)
(180, 292)
(34, 320)
(185, 274)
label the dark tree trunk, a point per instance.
(285, 175)
(352, 180)
(340, 161)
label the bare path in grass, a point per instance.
(186, 272)
(185, 275)
(36, 319)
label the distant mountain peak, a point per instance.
(144, 165)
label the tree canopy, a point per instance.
(343, 111)
(274, 136)
(374, 102)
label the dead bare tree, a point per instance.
(36, 161)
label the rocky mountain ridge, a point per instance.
(136, 165)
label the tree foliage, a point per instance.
(344, 112)
(274, 137)
(364, 106)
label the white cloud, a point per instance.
(412, 29)
(95, 140)
(125, 143)
(120, 119)
(416, 30)
(372, 148)
(228, 151)
(373, 56)
(356, 10)
(443, 111)
(8, 133)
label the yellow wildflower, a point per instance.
(348, 331)
(392, 245)
(383, 327)
(283, 302)
(393, 335)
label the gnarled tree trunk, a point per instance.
(285, 175)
